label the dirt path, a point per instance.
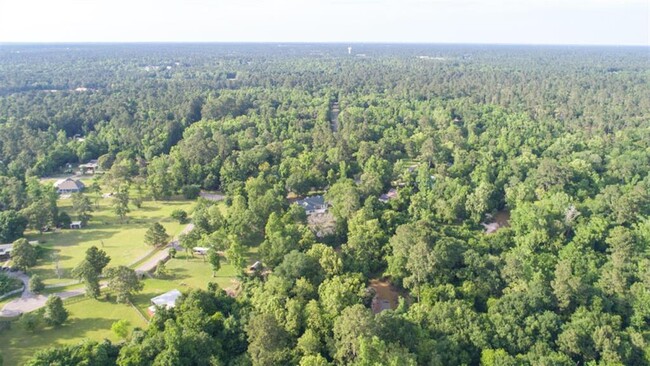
(334, 122)
(212, 196)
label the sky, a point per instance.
(588, 22)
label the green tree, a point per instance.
(365, 247)
(121, 203)
(121, 328)
(85, 272)
(158, 177)
(161, 269)
(39, 215)
(156, 235)
(215, 261)
(353, 324)
(82, 207)
(236, 254)
(97, 258)
(124, 282)
(374, 351)
(23, 254)
(339, 292)
(12, 226)
(90, 269)
(268, 342)
(55, 314)
(344, 197)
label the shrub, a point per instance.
(36, 284)
(191, 191)
(30, 321)
(179, 215)
(8, 283)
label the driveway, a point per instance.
(30, 301)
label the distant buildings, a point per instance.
(90, 167)
(68, 185)
(313, 204)
(391, 194)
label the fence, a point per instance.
(11, 293)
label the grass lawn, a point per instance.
(124, 242)
(186, 274)
(88, 319)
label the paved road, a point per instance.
(163, 254)
(30, 301)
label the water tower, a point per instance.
(349, 50)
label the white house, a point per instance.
(166, 300)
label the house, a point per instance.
(75, 225)
(166, 300)
(90, 167)
(391, 194)
(313, 204)
(68, 185)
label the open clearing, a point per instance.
(88, 319)
(123, 242)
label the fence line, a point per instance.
(10, 293)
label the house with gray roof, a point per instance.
(68, 185)
(313, 204)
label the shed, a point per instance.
(256, 266)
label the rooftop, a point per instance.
(168, 299)
(312, 203)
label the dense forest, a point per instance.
(555, 138)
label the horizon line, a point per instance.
(647, 45)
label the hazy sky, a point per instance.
(620, 22)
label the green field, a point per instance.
(88, 319)
(185, 274)
(124, 242)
